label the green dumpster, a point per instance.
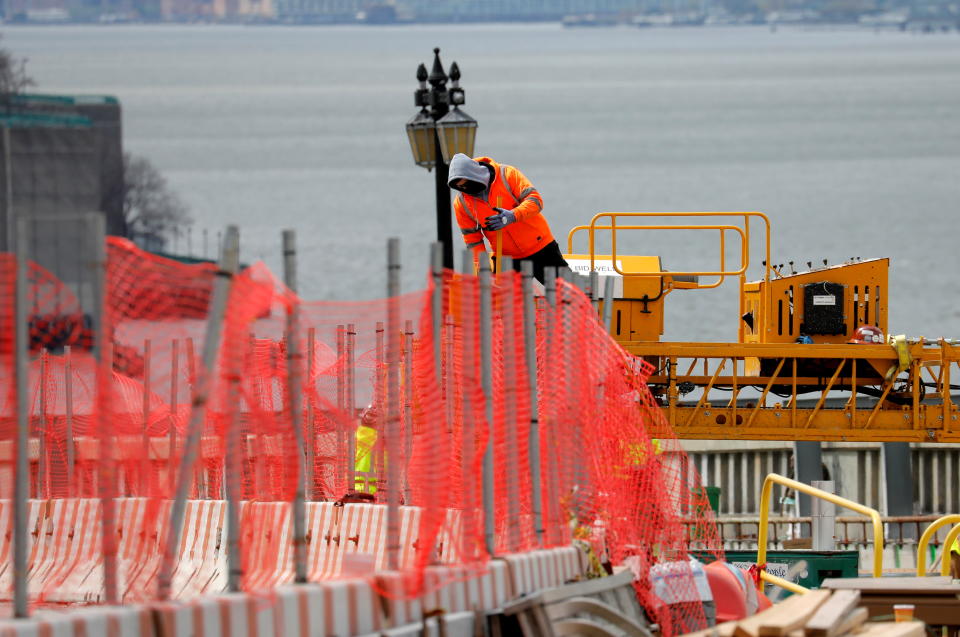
(713, 497)
(804, 567)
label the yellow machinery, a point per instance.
(751, 389)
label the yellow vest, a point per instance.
(365, 479)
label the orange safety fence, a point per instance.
(612, 475)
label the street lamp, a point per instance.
(437, 133)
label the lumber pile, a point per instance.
(821, 613)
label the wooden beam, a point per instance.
(893, 629)
(828, 618)
(780, 619)
(853, 621)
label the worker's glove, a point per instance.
(500, 220)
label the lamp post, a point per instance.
(437, 132)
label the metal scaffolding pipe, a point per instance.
(468, 313)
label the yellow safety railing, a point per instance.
(928, 535)
(775, 478)
(743, 231)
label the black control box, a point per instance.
(823, 308)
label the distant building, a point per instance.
(58, 155)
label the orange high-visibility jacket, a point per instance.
(515, 193)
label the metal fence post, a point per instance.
(295, 406)
(174, 381)
(103, 340)
(145, 467)
(21, 480)
(468, 437)
(232, 469)
(436, 304)
(550, 367)
(533, 436)
(511, 434)
(486, 380)
(229, 262)
(68, 426)
(393, 458)
(407, 407)
(350, 407)
(312, 490)
(344, 438)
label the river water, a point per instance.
(848, 139)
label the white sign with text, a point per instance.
(604, 268)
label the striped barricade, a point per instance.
(34, 520)
(322, 518)
(362, 532)
(446, 589)
(327, 609)
(70, 567)
(102, 621)
(201, 568)
(535, 570)
(267, 543)
(143, 527)
(409, 533)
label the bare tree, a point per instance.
(152, 211)
(13, 73)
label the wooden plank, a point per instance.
(805, 606)
(853, 621)
(892, 629)
(780, 619)
(827, 619)
(892, 584)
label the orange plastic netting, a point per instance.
(611, 472)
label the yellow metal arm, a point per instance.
(928, 535)
(947, 554)
(775, 478)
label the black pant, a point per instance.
(547, 257)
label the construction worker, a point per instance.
(364, 467)
(497, 199)
(955, 560)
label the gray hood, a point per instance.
(462, 167)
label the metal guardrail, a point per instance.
(899, 529)
(775, 478)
